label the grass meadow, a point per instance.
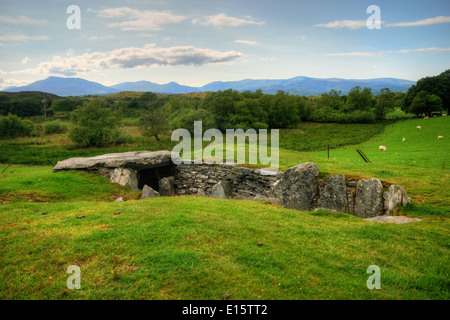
(201, 248)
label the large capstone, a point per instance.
(138, 160)
(333, 194)
(297, 187)
(369, 198)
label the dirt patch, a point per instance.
(393, 219)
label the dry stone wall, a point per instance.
(235, 182)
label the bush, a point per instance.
(12, 126)
(94, 126)
(326, 114)
(55, 127)
(26, 107)
(67, 104)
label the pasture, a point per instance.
(201, 248)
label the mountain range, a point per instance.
(297, 85)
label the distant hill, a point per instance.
(145, 86)
(296, 85)
(66, 87)
(310, 86)
(30, 94)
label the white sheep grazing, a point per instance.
(403, 140)
(419, 127)
(382, 148)
(444, 115)
(426, 117)
(440, 137)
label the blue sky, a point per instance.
(196, 42)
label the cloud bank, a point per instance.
(132, 57)
(138, 19)
(222, 20)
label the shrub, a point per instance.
(26, 107)
(67, 104)
(94, 125)
(326, 114)
(12, 126)
(55, 127)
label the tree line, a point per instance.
(229, 109)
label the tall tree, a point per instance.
(385, 103)
(359, 99)
(425, 103)
(153, 120)
(438, 85)
(94, 125)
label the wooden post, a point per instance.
(45, 109)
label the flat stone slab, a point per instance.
(393, 219)
(137, 160)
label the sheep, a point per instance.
(403, 140)
(444, 115)
(440, 137)
(426, 117)
(382, 148)
(419, 127)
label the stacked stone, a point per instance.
(243, 183)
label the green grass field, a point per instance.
(201, 248)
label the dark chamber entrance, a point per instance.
(152, 176)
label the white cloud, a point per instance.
(13, 82)
(248, 42)
(432, 50)
(95, 38)
(373, 54)
(25, 60)
(138, 19)
(269, 59)
(148, 56)
(349, 24)
(222, 20)
(21, 37)
(358, 24)
(20, 20)
(424, 22)
(353, 54)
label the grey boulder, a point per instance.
(221, 190)
(297, 187)
(393, 198)
(125, 177)
(166, 187)
(369, 198)
(333, 194)
(148, 192)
